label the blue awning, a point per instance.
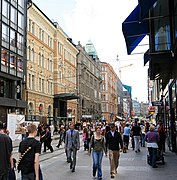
(145, 6)
(134, 30)
(146, 57)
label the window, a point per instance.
(29, 81)
(13, 15)
(29, 53)
(4, 60)
(42, 36)
(33, 55)
(33, 82)
(43, 61)
(39, 59)
(5, 35)
(20, 66)
(43, 85)
(175, 10)
(13, 40)
(40, 85)
(21, 3)
(29, 25)
(20, 43)
(33, 28)
(12, 61)
(5, 9)
(20, 21)
(162, 26)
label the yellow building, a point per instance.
(65, 90)
(51, 70)
(40, 53)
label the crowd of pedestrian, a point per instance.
(98, 139)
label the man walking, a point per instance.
(136, 129)
(29, 150)
(72, 145)
(6, 161)
(113, 140)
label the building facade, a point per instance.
(40, 62)
(89, 83)
(109, 92)
(65, 89)
(51, 70)
(13, 57)
(119, 97)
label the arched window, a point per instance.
(41, 109)
(49, 111)
(42, 60)
(30, 108)
(32, 55)
(39, 59)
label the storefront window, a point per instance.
(161, 26)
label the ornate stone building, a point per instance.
(40, 60)
(51, 70)
(88, 83)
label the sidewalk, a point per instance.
(134, 166)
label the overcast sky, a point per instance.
(101, 22)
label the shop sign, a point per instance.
(157, 103)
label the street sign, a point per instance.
(157, 103)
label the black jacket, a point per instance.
(112, 143)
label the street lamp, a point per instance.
(129, 65)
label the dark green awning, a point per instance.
(66, 96)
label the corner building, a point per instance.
(13, 15)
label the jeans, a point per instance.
(31, 176)
(152, 155)
(97, 163)
(137, 142)
(143, 140)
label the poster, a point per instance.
(14, 122)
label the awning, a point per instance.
(134, 30)
(145, 6)
(146, 57)
(66, 96)
(128, 88)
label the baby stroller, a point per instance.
(159, 158)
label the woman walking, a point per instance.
(97, 143)
(152, 139)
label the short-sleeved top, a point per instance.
(5, 153)
(30, 142)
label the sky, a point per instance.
(101, 22)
